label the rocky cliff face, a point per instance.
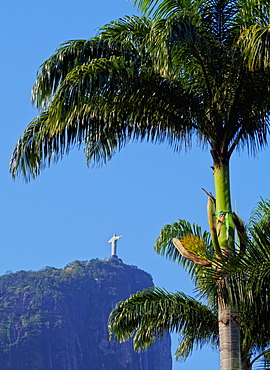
(56, 319)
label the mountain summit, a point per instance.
(56, 319)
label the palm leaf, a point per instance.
(255, 43)
(104, 105)
(165, 247)
(149, 314)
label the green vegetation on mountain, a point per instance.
(57, 318)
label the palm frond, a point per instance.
(262, 361)
(54, 70)
(122, 37)
(260, 215)
(159, 9)
(255, 43)
(165, 247)
(149, 314)
(27, 156)
(130, 33)
(104, 105)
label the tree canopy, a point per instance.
(187, 69)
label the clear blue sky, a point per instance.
(71, 211)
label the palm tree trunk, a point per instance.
(229, 338)
(229, 328)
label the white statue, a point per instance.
(113, 240)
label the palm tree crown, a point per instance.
(189, 70)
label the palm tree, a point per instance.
(185, 69)
(246, 283)
(146, 315)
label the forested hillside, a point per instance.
(57, 318)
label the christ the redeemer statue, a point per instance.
(113, 240)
